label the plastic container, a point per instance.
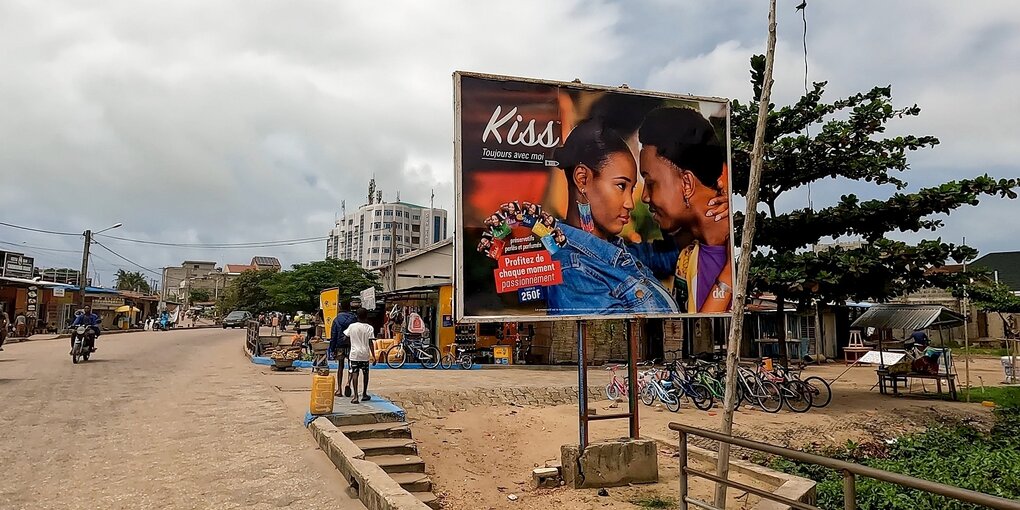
(322, 394)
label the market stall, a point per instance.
(900, 367)
(433, 304)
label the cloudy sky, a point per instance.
(242, 121)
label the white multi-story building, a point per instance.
(369, 235)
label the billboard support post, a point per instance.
(582, 385)
(632, 380)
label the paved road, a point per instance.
(174, 419)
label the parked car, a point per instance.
(237, 318)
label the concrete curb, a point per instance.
(788, 486)
(375, 488)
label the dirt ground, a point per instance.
(478, 456)
(483, 455)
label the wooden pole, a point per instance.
(744, 264)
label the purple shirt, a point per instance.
(711, 260)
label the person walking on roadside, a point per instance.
(5, 322)
(340, 345)
(21, 325)
(276, 324)
(361, 335)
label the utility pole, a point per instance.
(83, 276)
(966, 327)
(393, 256)
(743, 266)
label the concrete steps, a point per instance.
(428, 498)
(413, 482)
(376, 430)
(398, 463)
(387, 446)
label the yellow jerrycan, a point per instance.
(322, 393)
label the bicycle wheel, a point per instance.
(395, 356)
(612, 391)
(770, 396)
(797, 396)
(701, 396)
(466, 361)
(821, 392)
(672, 400)
(430, 357)
(447, 361)
(647, 395)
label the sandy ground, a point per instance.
(167, 420)
(480, 455)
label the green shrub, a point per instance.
(954, 454)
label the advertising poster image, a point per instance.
(584, 201)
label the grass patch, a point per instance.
(981, 351)
(1003, 396)
(655, 502)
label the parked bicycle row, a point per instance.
(702, 383)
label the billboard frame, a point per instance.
(458, 174)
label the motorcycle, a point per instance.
(84, 339)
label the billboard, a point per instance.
(583, 201)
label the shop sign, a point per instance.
(58, 292)
(17, 265)
(368, 298)
(107, 302)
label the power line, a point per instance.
(39, 247)
(223, 246)
(157, 273)
(39, 230)
(217, 246)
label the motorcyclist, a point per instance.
(90, 320)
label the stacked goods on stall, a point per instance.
(283, 356)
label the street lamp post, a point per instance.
(83, 278)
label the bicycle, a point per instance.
(696, 392)
(796, 395)
(662, 390)
(711, 376)
(464, 358)
(820, 390)
(755, 390)
(427, 355)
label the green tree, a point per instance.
(247, 292)
(298, 289)
(127, 280)
(198, 296)
(848, 142)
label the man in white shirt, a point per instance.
(362, 351)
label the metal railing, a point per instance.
(252, 338)
(849, 470)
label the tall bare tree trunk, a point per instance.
(744, 264)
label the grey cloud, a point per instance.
(252, 120)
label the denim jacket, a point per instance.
(602, 277)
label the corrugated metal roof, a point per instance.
(908, 317)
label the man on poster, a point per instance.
(685, 186)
